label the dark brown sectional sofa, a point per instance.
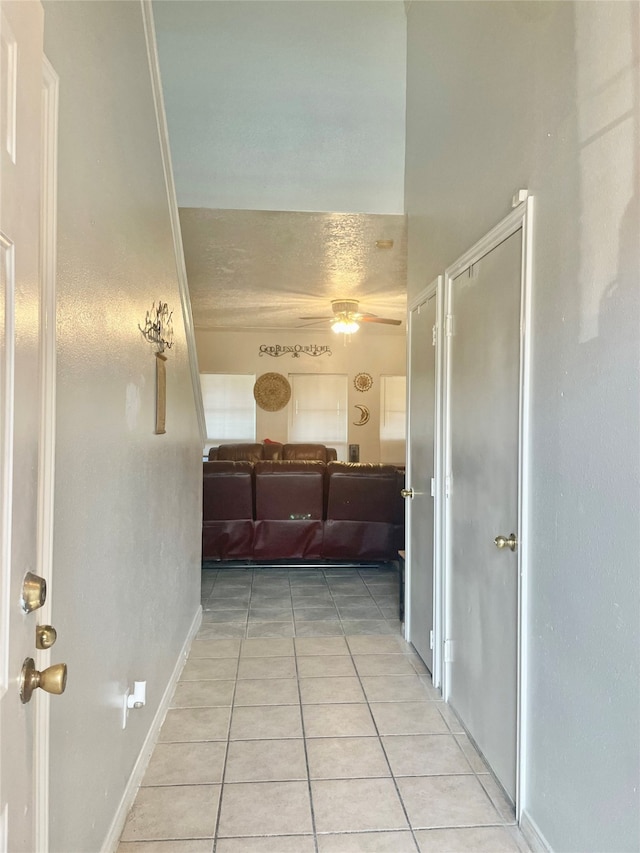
(272, 451)
(301, 509)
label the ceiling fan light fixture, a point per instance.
(344, 326)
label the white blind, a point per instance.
(229, 406)
(393, 410)
(318, 409)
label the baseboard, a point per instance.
(534, 838)
(117, 824)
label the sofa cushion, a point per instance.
(303, 452)
(363, 492)
(289, 490)
(227, 490)
(241, 452)
(227, 510)
(289, 498)
(362, 512)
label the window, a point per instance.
(229, 407)
(318, 410)
(393, 405)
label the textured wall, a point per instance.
(546, 96)
(285, 106)
(238, 352)
(127, 513)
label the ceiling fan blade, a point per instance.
(385, 320)
(314, 324)
(315, 318)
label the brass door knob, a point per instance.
(407, 493)
(46, 635)
(53, 679)
(510, 541)
(34, 592)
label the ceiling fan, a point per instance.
(346, 318)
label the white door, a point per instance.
(483, 368)
(21, 33)
(420, 473)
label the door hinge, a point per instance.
(449, 651)
(433, 487)
(448, 326)
(447, 485)
(431, 640)
(434, 335)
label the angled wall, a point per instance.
(285, 106)
(546, 95)
(127, 502)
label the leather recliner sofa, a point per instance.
(307, 510)
(272, 451)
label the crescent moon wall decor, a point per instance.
(365, 414)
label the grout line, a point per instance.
(226, 752)
(304, 744)
(384, 752)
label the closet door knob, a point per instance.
(510, 541)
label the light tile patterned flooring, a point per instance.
(292, 733)
(301, 602)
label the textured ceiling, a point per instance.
(250, 269)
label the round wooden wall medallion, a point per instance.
(272, 392)
(363, 381)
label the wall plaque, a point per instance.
(294, 350)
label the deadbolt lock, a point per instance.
(510, 541)
(46, 635)
(53, 679)
(34, 592)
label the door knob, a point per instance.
(46, 635)
(34, 592)
(510, 541)
(53, 679)
(407, 493)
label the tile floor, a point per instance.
(305, 724)
(302, 602)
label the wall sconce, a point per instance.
(158, 331)
(158, 327)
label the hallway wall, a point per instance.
(546, 96)
(128, 502)
(285, 106)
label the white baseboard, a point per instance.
(117, 824)
(534, 838)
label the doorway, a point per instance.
(422, 626)
(486, 369)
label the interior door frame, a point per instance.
(47, 438)
(435, 288)
(521, 218)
